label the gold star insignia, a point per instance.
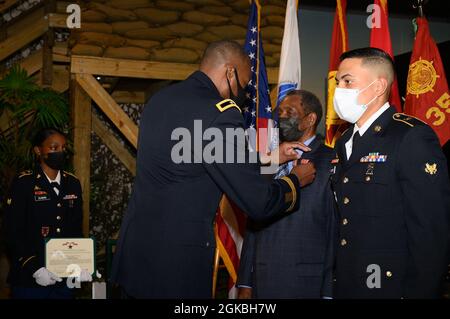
(377, 128)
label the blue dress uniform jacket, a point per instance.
(394, 202)
(166, 243)
(35, 212)
(293, 256)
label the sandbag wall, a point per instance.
(171, 31)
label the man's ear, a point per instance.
(230, 72)
(312, 119)
(382, 86)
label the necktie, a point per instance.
(355, 141)
(283, 170)
(55, 186)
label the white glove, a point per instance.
(85, 276)
(45, 278)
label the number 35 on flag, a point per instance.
(444, 103)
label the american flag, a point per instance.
(257, 109)
(257, 113)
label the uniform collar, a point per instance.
(205, 80)
(361, 130)
(57, 178)
(370, 138)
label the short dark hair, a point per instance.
(44, 133)
(310, 103)
(223, 50)
(374, 57)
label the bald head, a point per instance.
(378, 61)
(226, 64)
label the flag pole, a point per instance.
(216, 264)
(419, 4)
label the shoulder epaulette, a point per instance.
(226, 104)
(25, 173)
(407, 119)
(73, 175)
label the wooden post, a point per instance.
(49, 41)
(82, 125)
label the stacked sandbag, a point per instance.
(171, 30)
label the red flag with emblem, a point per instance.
(380, 38)
(428, 96)
(339, 44)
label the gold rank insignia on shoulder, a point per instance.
(406, 118)
(25, 173)
(431, 168)
(67, 173)
(9, 201)
(227, 104)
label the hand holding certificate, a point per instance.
(67, 257)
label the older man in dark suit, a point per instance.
(291, 256)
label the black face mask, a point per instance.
(55, 160)
(289, 131)
(241, 94)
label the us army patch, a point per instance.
(226, 104)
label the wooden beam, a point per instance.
(18, 37)
(82, 126)
(61, 52)
(60, 78)
(57, 20)
(47, 58)
(5, 5)
(113, 144)
(138, 97)
(61, 6)
(33, 62)
(109, 107)
(141, 69)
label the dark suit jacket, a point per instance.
(166, 244)
(292, 256)
(393, 196)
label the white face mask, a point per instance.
(346, 103)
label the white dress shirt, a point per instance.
(364, 128)
(57, 180)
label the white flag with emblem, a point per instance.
(290, 63)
